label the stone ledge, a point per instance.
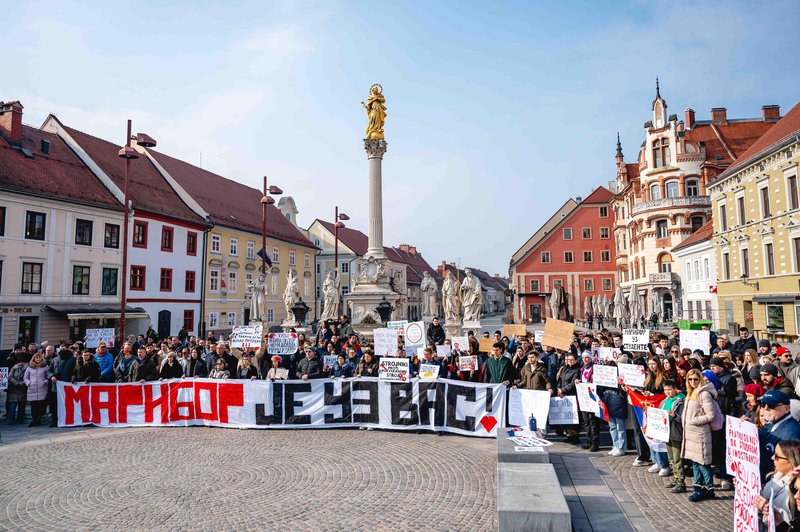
(529, 498)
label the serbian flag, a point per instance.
(640, 403)
(603, 410)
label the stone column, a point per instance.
(375, 149)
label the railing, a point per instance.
(662, 277)
(668, 203)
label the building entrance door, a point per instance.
(667, 308)
(536, 313)
(164, 319)
(28, 328)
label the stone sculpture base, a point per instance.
(452, 329)
(363, 304)
(474, 326)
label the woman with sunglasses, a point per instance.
(698, 413)
(219, 371)
(785, 459)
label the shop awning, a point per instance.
(776, 298)
(96, 312)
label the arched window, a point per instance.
(660, 152)
(692, 187)
(655, 192)
(665, 263)
(672, 189)
(661, 229)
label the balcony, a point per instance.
(622, 260)
(669, 203)
(664, 278)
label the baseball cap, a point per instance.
(774, 398)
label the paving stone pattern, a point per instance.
(227, 479)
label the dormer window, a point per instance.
(660, 153)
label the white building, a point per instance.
(696, 265)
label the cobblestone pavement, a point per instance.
(226, 479)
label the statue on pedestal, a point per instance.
(258, 299)
(330, 296)
(291, 295)
(376, 111)
(451, 298)
(471, 296)
(429, 289)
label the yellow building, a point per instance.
(756, 213)
(231, 246)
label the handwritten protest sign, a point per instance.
(695, 340)
(537, 336)
(281, 343)
(742, 461)
(281, 373)
(485, 345)
(563, 411)
(605, 376)
(657, 424)
(514, 330)
(636, 339)
(393, 369)
(467, 363)
(328, 362)
(460, 343)
(415, 333)
(632, 374)
(587, 398)
(385, 342)
(442, 351)
(607, 354)
(558, 333)
(399, 326)
(523, 403)
(249, 337)
(95, 336)
(3, 378)
(429, 371)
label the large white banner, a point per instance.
(465, 408)
(523, 403)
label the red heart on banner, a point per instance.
(488, 423)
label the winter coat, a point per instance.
(246, 373)
(728, 394)
(615, 402)
(740, 346)
(345, 370)
(435, 334)
(771, 434)
(367, 369)
(567, 376)
(196, 368)
(311, 367)
(142, 370)
(535, 378)
(675, 422)
(62, 366)
(697, 417)
(219, 374)
(498, 370)
(106, 363)
(174, 371)
(17, 389)
(86, 372)
(36, 380)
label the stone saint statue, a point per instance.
(330, 297)
(258, 299)
(428, 288)
(471, 296)
(376, 112)
(291, 295)
(451, 298)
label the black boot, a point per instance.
(697, 494)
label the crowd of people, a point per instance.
(754, 380)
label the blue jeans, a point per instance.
(616, 427)
(660, 458)
(703, 476)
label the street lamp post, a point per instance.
(266, 199)
(338, 224)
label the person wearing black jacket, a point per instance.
(745, 341)
(171, 369)
(143, 368)
(86, 369)
(435, 333)
(568, 375)
(196, 366)
(727, 393)
(309, 367)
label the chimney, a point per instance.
(404, 247)
(11, 120)
(719, 115)
(771, 113)
(689, 118)
(412, 250)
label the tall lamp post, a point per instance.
(128, 153)
(266, 199)
(338, 224)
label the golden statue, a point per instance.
(376, 112)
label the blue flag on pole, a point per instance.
(264, 256)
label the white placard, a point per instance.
(443, 351)
(281, 343)
(3, 378)
(385, 342)
(414, 333)
(587, 397)
(328, 361)
(636, 339)
(563, 411)
(393, 369)
(467, 363)
(523, 403)
(695, 340)
(460, 343)
(429, 371)
(281, 373)
(412, 350)
(605, 376)
(538, 335)
(657, 424)
(632, 374)
(742, 460)
(607, 354)
(399, 325)
(95, 336)
(249, 337)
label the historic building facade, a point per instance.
(661, 198)
(696, 265)
(756, 205)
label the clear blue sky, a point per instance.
(498, 111)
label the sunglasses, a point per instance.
(220, 364)
(692, 379)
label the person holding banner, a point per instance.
(698, 414)
(36, 377)
(17, 393)
(367, 366)
(343, 368)
(276, 372)
(246, 370)
(106, 362)
(86, 369)
(196, 367)
(785, 459)
(309, 367)
(568, 375)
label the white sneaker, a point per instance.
(641, 463)
(725, 486)
(655, 468)
(665, 472)
(612, 451)
(618, 452)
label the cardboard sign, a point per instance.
(632, 374)
(281, 373)
(742, 461)
(442, 351)
(636, 339)
(485, 345)
(3, 378)
(429, 371)
(281, 343)
(608, 354)
(460, 343)
(695, 340)
(657, 424)
(467, 363)
(587, 398)
(414, 333)
(328, 361)
(605, 376)
(523, 403)
(95, 336)
(393, 369)
(249, 337)
(537, 336)
(563, 410)
(558, 333)
(514, 330)
(385, 342)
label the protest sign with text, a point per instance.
(588, 398)
(607, 354)
(523, 403)
(511, 330)
(537, 336)
(632, 374)
(393, 369)
(467, 363)
(414, 334)
(657, 424)
(328, 361)
(742, 461)
(636, 339)
(460, 343)
(95, 336)
(429, 371)
(485, 345)
(281, 343)
(385, 342)
(558, 333)
(249, 337)
(443, 351)
(605, 376)
(696, 340)
(563, 411)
